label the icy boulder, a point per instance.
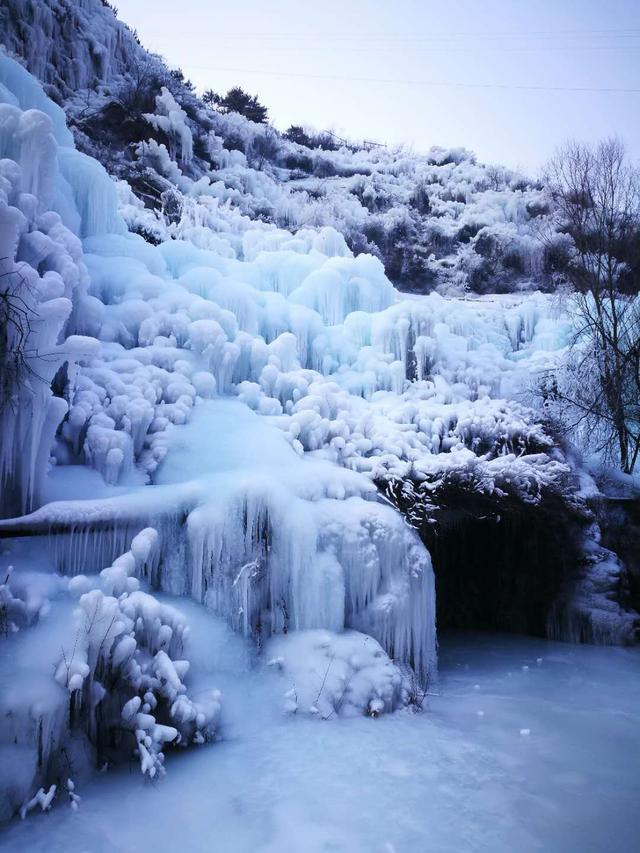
(329, 674)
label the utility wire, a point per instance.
(426, 83)
(622, 37)
(628, 33)
(428, 49)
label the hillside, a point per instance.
(438, 220)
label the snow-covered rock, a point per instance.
(343, 674)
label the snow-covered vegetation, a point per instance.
(436, 220)
(92, 671)
(348, 674)
(212, 388)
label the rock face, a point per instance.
(68, 46)
(620, 524)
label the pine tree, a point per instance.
(238, 101)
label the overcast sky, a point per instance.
(509, 79)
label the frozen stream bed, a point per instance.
(530, 745)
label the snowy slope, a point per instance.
(438, 219)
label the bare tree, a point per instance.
(264, 148)
(15, 332)
(596, 195)
(137, 92)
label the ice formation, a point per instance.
(350, 384)
(133, 337)
(242, 390)
(586, 611)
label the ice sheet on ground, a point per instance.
(448, 780)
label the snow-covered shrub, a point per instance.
(138, 90)
(124, 669)
(13, 611)
(110, 679)
(171, 119)
(330, 674)
(264, 148)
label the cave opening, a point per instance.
(499, 564)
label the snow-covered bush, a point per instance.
(336, 674)
(125, 658)
(119, 684)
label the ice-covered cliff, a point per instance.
(113, 343)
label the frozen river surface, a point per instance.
(529, 746)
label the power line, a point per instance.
(429, 49)
(627, 33)
(427, 83)
(477, 38)
(354, 44)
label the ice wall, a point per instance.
(335, 376)
(300, 545)
(42, 274)
(68, 46)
